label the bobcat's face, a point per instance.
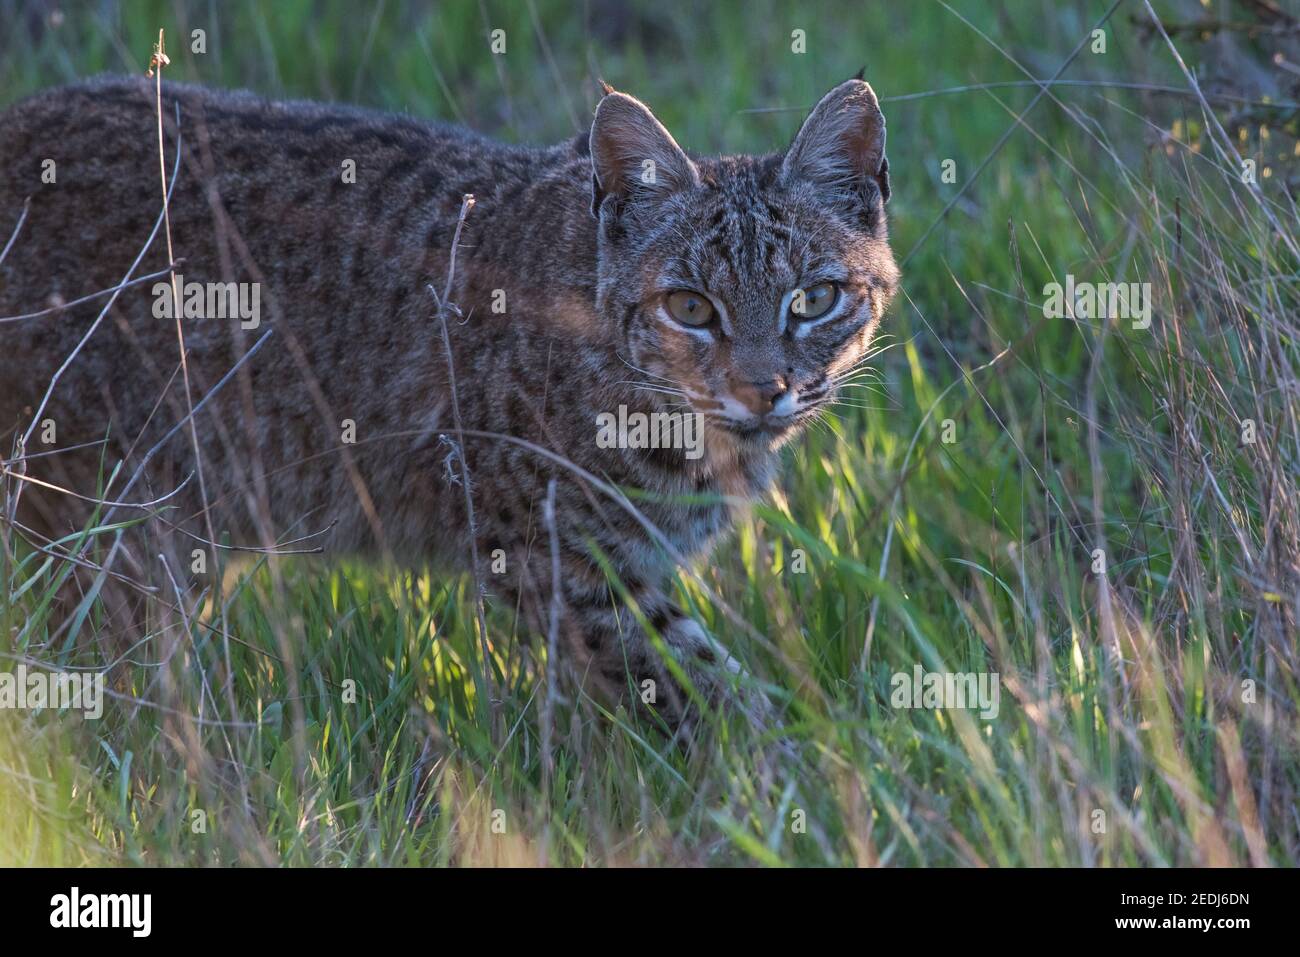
(745, 288)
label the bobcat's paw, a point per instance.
(717, 678)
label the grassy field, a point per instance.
(1104, 515)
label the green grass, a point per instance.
(1122, 694)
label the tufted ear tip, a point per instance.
(634, 159)
(841, 144)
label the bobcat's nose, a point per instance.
(761, 397)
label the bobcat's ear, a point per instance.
(841, 144)
(633, 158)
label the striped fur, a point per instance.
(573, 240)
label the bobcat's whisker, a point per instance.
(653, 375)
(870, 354)
(865, 408)
(857, 380)
(869, 386)
(652, 387)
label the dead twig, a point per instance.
(22, 218)
(280, 549)
(444, 306)
(95, 295)
(552, 662)
(90, 498)
(158, 61)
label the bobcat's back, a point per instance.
(332, 221)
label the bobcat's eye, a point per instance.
(815, 301)
(690, 308)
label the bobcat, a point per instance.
(613, 275)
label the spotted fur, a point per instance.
(576, 241)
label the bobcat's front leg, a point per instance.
(632, 643)
(647, 648)
(667, 654)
